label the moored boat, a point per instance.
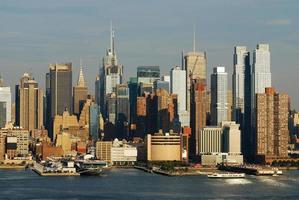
(227, 175)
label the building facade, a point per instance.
(219, 104)
(5, 104)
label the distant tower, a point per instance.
(61, 88)
(196, 68)
(241, 62)
(29, 104)
(80, 92)
(219, 95)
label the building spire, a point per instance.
(81, 81)
(193, 37)
(112, 38)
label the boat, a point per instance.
(90, 167)
(226, 175)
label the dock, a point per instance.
(39, 169)
(251, 169)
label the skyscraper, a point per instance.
(61, 88)
(29, 104)
(178, 86)
(218, 95)
(271, 126)
(241, 62)
(261, 73)
(5, 104)
(196, 66)
(80, 92)
(110, 75)
(197, 112)
(122, 110)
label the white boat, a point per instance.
(227, 175)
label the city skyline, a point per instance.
(84, 26)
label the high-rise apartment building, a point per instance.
(29, 104)
(271, 126)
(219, 103)
(178, 86)
(5, 104)
(80, 92)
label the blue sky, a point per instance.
(36, 33)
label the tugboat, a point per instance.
(90, 167)
(226, 175)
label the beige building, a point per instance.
(123, 153)
(209, 140)
(18, 136)
(167, 147)
(271, 125)
(80, 92)
(196, 67)
(103, 151)
(64, 122)
(29, 104)
(231, 138)
(64, 141)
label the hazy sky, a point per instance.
(34, 34)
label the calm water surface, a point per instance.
(131, 184)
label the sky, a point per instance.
(35, 33)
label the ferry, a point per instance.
(226, 175)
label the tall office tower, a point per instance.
(241, 63)
(111, 108)
(133, 93)
(196, 66)
(61, 88)
(148, 74)
(261, 73)
(110, 74)
(218, 95)
(271, 126)
(96, 122)
(47, 107)
(29, 104)
(5, 104)
(208, 107)
(178, 86)
(197, 112)
(80, 92)
(122, 110)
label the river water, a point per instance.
(132, 184)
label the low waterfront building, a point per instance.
(16, 142)
(220, 158)
(167, 147)
(123, 153)
(103, 151)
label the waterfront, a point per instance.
(135, 184)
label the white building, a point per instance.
(241, 61)
(178, 86)
(219, 104)
(261, 73)
(5, 104)
(122, 153)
